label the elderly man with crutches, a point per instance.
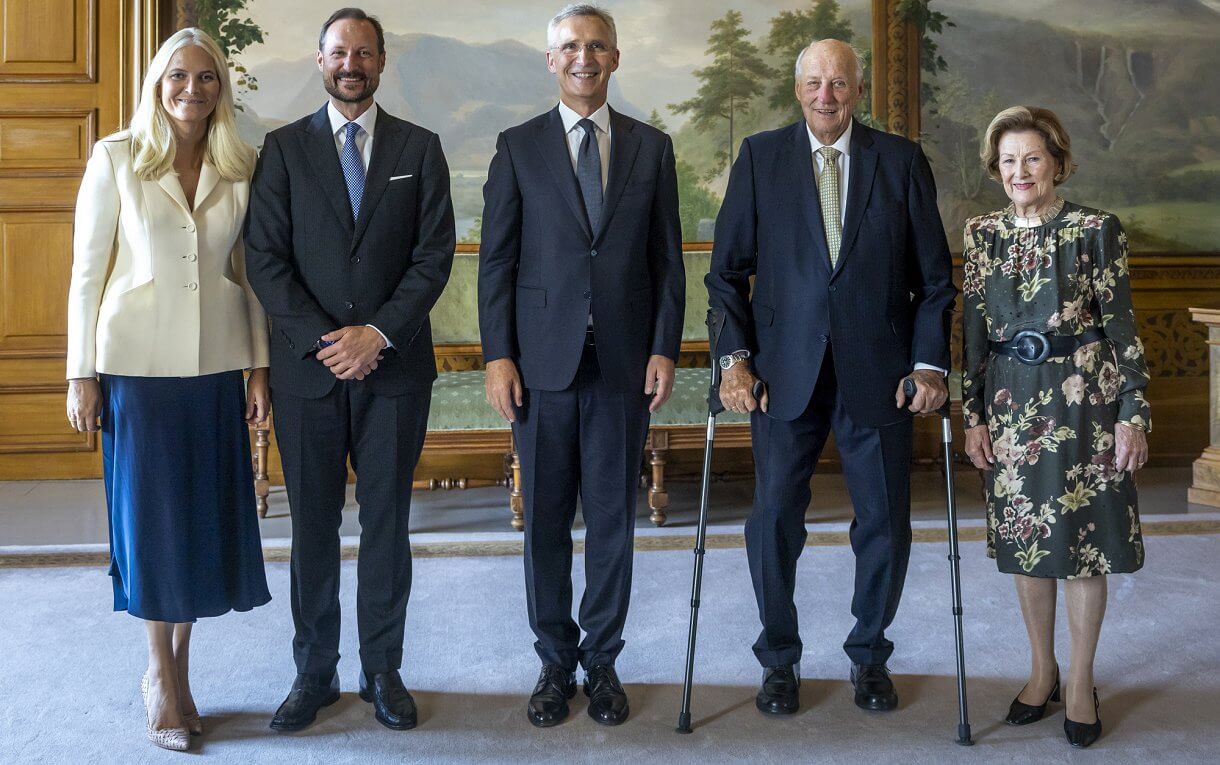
(833, 274)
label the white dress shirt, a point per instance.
(575, 134)
(364, 141)
(364, 137)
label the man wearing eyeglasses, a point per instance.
(581, 292)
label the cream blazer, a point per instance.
(158, 290)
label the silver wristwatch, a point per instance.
(726, 362)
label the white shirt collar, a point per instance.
(366, 121)
(601, 118)
(843, 144)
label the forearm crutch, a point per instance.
(714, 407)
(946, 430)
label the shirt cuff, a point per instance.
(922, 365)
(384, 339)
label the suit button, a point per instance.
(350, 305)
(592, 253)
(833, 288)
(192, 257)
(824, 338)
(355, 258)
(192, 286)
(588, 294)
(292, 345)
(190, 228)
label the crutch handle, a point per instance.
(909, 388)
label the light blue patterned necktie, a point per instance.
(353, 168)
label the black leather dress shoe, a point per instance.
(1020, 713)
(607, 699)
(309, 694)
(549, 702)
(392, 703)
(1083, 735)
(874, 689)
(780, 693)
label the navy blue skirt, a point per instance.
(184, 539)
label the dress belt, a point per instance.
(1032, 347)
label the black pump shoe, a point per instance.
(1083, 735)
(1020, 713)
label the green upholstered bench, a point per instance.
(461, 422)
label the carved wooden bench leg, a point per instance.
(262, 486)
(516, 497)
(658, 497)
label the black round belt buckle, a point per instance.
(1031, 347)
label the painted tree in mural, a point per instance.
(791, 31)
(734, 78)
(221, 19)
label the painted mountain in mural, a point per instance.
(466, 92)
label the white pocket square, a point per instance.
(400, 177)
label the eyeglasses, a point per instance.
(573, 49)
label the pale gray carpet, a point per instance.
(70, 669)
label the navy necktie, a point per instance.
(589, 174)
(353, 168)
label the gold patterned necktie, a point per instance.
(828, 193)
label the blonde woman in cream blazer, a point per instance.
(159, 289)
(161, 325)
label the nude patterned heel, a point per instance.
(174, 739)
(193, 723)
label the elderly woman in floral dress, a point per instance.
(1053, 395)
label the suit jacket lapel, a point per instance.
(859, 187)
(388, 140)
(170, 184)
(319, 146)
(624, 145)
(208, 179)
(801, 164)
(553, 145)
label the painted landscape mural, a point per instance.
(1137, 84)
(709, 72)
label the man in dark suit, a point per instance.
(852, 293)
(581, 291)
(349, 242)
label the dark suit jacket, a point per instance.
(314, 269)
(541, 270)
(885, 307)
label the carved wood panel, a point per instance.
(47, 139)
(35, 267)
(48, 40)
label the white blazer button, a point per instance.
(192, 286)
(190, 227)
(192, 257)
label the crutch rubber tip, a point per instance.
(963, 736)
(683, 723)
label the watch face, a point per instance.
(726, 362)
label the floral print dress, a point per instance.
(1056, 507)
